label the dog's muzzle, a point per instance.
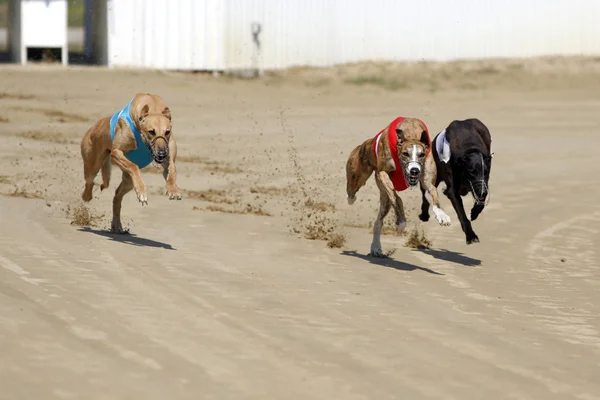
(161, 155)
(480, 191)
(414, 172)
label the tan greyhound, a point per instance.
(131, 138)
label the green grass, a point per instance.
(75, 13)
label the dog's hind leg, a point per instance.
(125, 187)
(106, 170)
(92, 162)
(357, 174)
(384, 208)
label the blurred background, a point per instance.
(256, 35)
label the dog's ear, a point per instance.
(144, 113)
(167, 113)
(400, 135)
(425, 139)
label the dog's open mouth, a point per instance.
(159, 159)
(413, 180)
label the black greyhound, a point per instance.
(463, 159)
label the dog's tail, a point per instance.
(106, 169)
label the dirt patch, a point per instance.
(196, 160)
(47, 137)
(25, 194)
(336, 241)
(212, 166)
(5, 179)
(418, 240)
(534, 73)
(319, 205)
(211, 196)
(57, 115)
(271, 191)
(16, 96)
(249, 209)
(222, 169)
(61, 116)
(82, 216)
(4, 120)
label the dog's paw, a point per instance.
(174, 195)
(472, 238)
(442, 218)
(376, 253)
(424, 217)
(86, 196)
(142, 197)
(103, 186)
(118, 229)
(351, 200)
(401, 226)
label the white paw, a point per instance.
(376, 252)
(401, 227)
(143, 198)
(351, 200)
(441, 216)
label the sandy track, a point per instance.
(201, 304)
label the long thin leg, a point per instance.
(384, 208)
(465, 224)
(92, 162)
(125, 187)
(357, 174)
(170, 172)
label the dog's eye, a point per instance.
(405, 154)
(152, 132)
(421, 155)
(167, 133)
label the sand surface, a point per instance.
(222, 296)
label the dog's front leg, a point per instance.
(118, 158)
(430, 194)
(170, 172)
(124, 188)
(386, 186)
(456, 200)
(384, 207)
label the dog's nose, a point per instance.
(414, 171)
(161, 154)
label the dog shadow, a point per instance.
(128, 238)
(451, 256)
(388, 262)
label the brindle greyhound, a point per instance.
(398, 155)
(463, 157)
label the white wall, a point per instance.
(216, 34)
(166, 34)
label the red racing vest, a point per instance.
(396, 176)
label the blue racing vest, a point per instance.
(141, 156)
